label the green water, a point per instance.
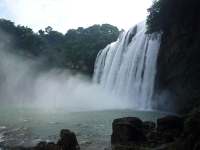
(27, 126)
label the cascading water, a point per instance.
(127, 67)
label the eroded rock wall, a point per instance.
(178, 66)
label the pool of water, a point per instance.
(27, 126)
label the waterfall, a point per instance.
(127, 67)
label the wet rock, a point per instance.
(127, 130)
(148, 126)
(190, 140)
(68, 140)
(170, 123)
(41, 146)
(127, 147)
(133, 134)
(192, 123)
(52, 146)
(169, 128)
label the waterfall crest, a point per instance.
(127, 67)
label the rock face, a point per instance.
(133, 134)
(178, 66)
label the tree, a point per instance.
(77, 49)
(48, 29)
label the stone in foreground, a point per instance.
(68, 140)
(127, 130)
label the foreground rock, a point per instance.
(128, 133)
(127, 130)
(133, 134)
(190, 139)
(67, 141)
(169, 123)
(169, 128)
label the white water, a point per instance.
(127, 67)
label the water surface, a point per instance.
(27, 126)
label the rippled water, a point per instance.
(28, 126)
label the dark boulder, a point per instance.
(170, 123)
(68, 140)
(190, 139)
(169, 128)
(41, 146)
(45, 146)
(192, 123)
(52, 146)
(149, 126)
(127, 130)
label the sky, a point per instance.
(62, 15)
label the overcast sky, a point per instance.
(65, 14)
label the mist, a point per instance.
(23, 83)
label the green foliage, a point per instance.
(77, 49)
(165, 14)
(86, 43)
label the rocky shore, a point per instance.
(131, 133)
(67, 141)
(168, 133)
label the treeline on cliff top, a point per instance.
(75, 50)
(165, 14)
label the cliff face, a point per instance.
(178, 69)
